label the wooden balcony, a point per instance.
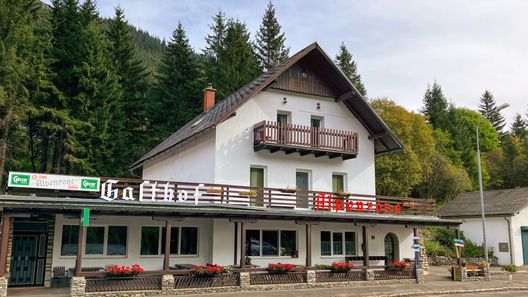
(305, 140)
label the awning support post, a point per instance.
(6, 223)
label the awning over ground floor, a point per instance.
(30, 204)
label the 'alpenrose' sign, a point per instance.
(327, 202)
(53, 181)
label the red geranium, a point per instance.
(280, 267)
(398, 265)
(124, 271)
(342, 266)
(208, 270)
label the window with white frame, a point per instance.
(100, 240)
(338, 243)
(184, 241)
(338, 183)
(268, 243)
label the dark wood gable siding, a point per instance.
(292, 80)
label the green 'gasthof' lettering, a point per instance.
(20, 179)
(89, 184)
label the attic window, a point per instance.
(197, 122)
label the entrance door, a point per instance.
(28, 254)
(316, 126)
(282, 129)
(256, 182)
(28, 260)
(391, 248)
(524, 236)
(302, 187)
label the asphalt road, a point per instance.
(490, 294)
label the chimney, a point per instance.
(209, 97)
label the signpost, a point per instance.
(85, 217)
(53, 182)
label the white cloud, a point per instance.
(400, 46)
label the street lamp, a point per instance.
(485, 244)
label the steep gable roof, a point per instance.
(384, 139)
(496, 202)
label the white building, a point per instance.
(506, 221)
(283, 170)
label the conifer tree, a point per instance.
(129, 114)
(89, 88)
(435, 106)
(215, 41)
(24, 78)
(488, 109)
(177, 90)
(270, 41)
(236, 61)
(519, 127)
(346, 63)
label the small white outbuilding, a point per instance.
(506, 221)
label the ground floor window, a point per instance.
(70, 240)
(184, 240)
(271, 242)
(338, 243)
(100, 240)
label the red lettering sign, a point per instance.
(325, 202)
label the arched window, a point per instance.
(391, 247)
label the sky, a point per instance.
(400, 46)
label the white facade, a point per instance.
(216, 242)
(226, 154)
(503, 229)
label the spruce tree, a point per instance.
(89, 89)
(346, 63)
(488, 109)
(519, 127)
(177, 92)
(270, 41)
(435, 106)
(24, 80)
(237, 62)
(215, 41)
(129, 113)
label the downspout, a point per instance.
(508, 219)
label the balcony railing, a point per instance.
(305, 140)
(285, 198)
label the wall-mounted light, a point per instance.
(304, 74)
(318, 105)
(284, 100)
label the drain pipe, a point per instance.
(508, 219)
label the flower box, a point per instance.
(337, 267)
(208, 270)
(398, 266)
(278, 268)
(116, 271)
(247, 193)
(214, 191)
(288, 190)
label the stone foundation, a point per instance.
(420, 276)
(3, 286)
(441, 260)
(78, 287)
(461, 275)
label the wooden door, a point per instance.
(256, 182)
(302, 187)
(316, 126)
